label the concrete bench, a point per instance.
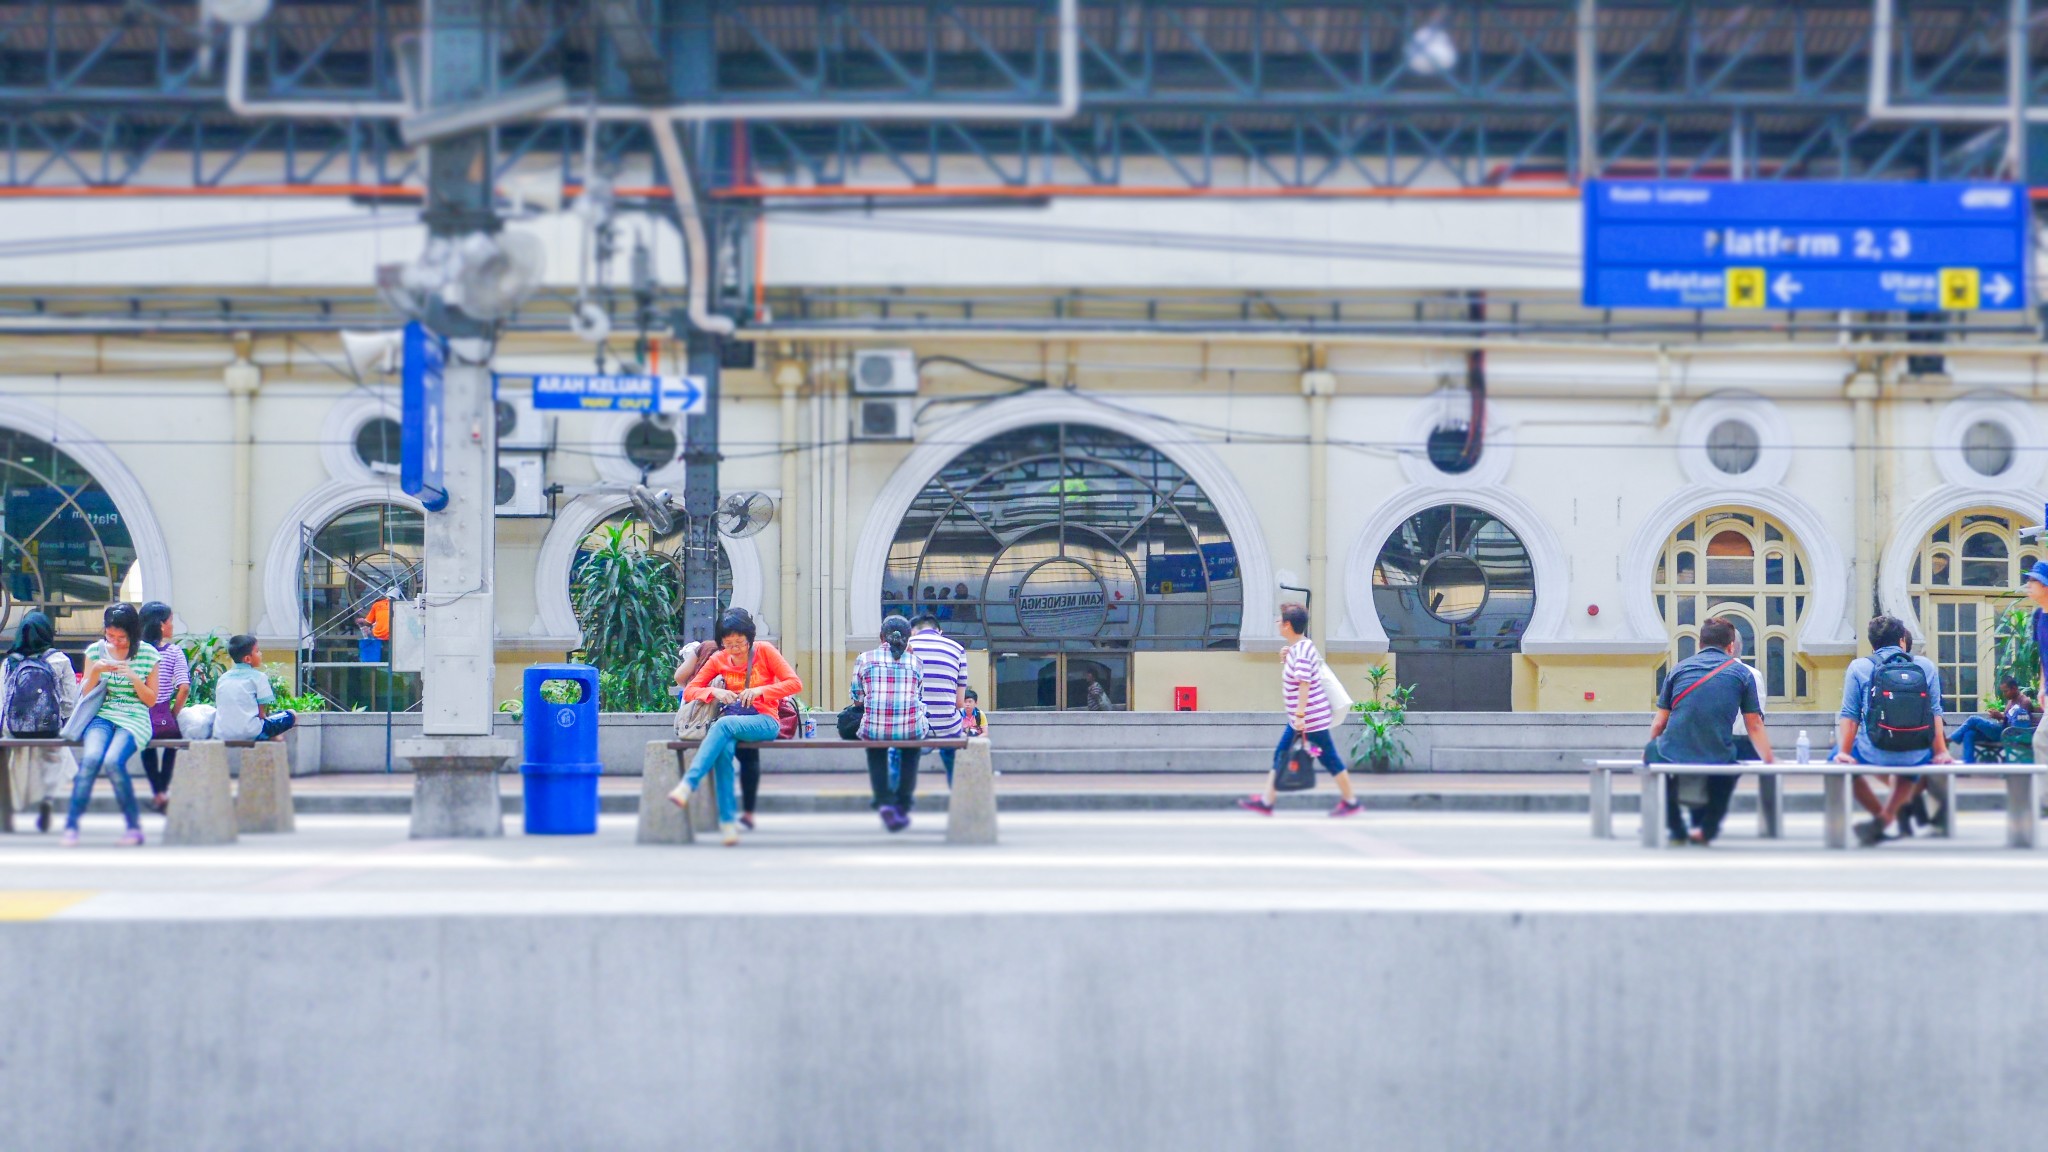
(970, 804)
(261, 803)
(2022, 795)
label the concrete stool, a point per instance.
(971, 805)
(263, 796)
(704, 806)
(661, 822)
(202, 800)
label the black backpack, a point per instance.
(1899, 712)
(32, 709)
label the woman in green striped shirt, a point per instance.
(127, 666)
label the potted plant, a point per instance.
(1379, 740)
(624, 598)
(2018, 656)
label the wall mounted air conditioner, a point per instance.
(883, 418)
(521, 429)
(884, 372)
(522, 486)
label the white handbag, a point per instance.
(1333, 691)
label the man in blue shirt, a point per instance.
(1696, 713)
(1889, 641)
(2034, 586)
(2017, 714)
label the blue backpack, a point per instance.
(33, 711)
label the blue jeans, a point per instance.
(109, 747)
(896, 763)
(277, 724)
(1318, 742)
(715, 754)
(1972, 730)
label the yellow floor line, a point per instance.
(17, 906)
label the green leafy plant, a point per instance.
(2018, 656)
(208, 656)
(513, 708)
(624, 598)
(560, 691)
(281, 688)
(1380, 739)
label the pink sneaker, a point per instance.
(1347, 808)
(132, 838)
(1256, 804)
(70, 838)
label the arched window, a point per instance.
(1962, 579)
(1061, 548)
(371, 552)
(1455, 588)
(63, 545)
(668, 546)
(1754, 575)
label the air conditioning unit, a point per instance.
(884, 372)
(522, 486)
(521, 429)
(883, 418)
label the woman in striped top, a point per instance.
(1309, 716)
(128, 667)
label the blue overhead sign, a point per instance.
(683, 395)
(421, 415)
(1861, 247)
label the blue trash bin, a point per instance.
(560, 763)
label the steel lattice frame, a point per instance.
(1284, 94)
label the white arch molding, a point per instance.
(1895, 563)
(1825, 631)
(968, 429)
(152, 550)
(554, 623)
(1363, 631)
(282, 619)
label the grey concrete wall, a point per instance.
(1233, 742)
(1367, 1029)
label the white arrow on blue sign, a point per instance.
(682, 395)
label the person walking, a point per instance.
(1098, 698)
(127, 666)
(1701, 701)
(888, 684)
(1310, 717)
(1890, 718)
(38, 690)
(157, 763)
(943, 663)
(748, 680)
(2034, 586)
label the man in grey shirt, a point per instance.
(1695, 722)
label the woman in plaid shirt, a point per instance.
(888, 683)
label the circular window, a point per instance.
(377, 444)
(1733, 446)
(650, 446)
(1453, 588)
(1988, 448)
(1447, 448)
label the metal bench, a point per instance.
(2022, 795)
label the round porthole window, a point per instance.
(377, 444)
(650, 446)
(1447, 444)
(1733, 446)
(1988, 448)
(1453, 588)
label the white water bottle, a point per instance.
(1804, 749)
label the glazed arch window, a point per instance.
(1960, 583)
(1749, 570)
(64, 546)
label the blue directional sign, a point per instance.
(421, 415)
(1862, 247)
(683, 395)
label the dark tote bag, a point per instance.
(1298, 771)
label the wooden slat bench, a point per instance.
(970, 805)
(2022, 795)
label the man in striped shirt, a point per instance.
(1309, 716)
(945, 684)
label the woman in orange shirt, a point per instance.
(748, 680)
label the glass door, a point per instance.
(1063, 681)
(1962, 651)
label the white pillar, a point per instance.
(457, 680)
(242, 379)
